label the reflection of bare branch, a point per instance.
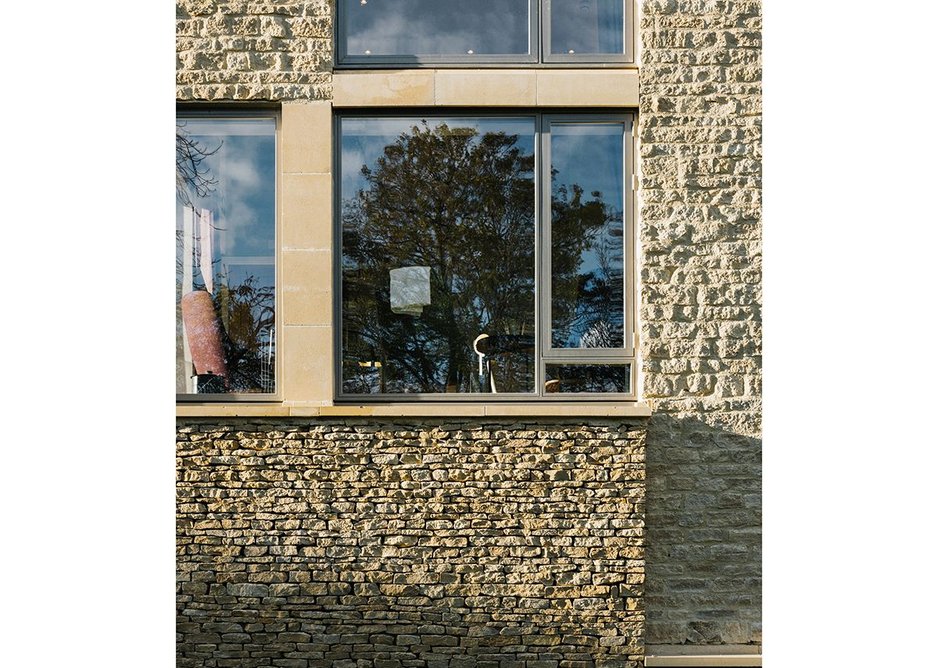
(190, 172)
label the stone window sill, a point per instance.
(552, 409)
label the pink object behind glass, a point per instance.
(203, 331)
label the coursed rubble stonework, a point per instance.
(700, 333)
(701, 276)
(253, 50)
(353, 543)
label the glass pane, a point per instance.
(225, 222)
(435, 28)
(437, 251)
(586, 27)
(588, 378)
(587, 235)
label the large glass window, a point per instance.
(413, 32)
(225, 249)
(435, 30)
(484, 255)
(586, 235)
(586, 29)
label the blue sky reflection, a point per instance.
(436, 27)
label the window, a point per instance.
(375, 33)
(225, 250)
(488, 254)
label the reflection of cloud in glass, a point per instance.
(430, 27)
(588, 299)
(241, 180)
(586, 26)
(238, 158)
(242, 200)
(352, 160)
(590, 157)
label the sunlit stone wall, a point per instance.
(700, 289)
(410, 543)
(701, 332)
(248, 50)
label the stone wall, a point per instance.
(700, 231)
(700, 284)
(422, 543)
(253, 50)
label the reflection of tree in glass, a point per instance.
(246, 310)
(247, 315)
(191, 174)
(461, 203)
(588, 377)
(586, 297)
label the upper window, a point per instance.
(487, 254)
(373, 33)
(225, 250)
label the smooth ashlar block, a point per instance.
(499, 88)
(306, 137)
(306, 282)
(391, 88)
(587, 88)
(306, 206)
(307, 377)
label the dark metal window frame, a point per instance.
(588, 58)
(538, 55)
(585, 355)
(543, 355)
(233, 113)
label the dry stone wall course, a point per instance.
(410, 543)
(701, 277)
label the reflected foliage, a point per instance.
(461, 203)
(245, 307)
(591, 378)
(247, 315)
(587, 297)
(193, 178)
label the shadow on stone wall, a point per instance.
(343, 633)
(704, 550)
(351, 544)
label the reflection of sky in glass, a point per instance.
(242, 201)
(471, 291)
(436, 27)
(364, 139)
(239, 161)
(586, 26)
(590, 155)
